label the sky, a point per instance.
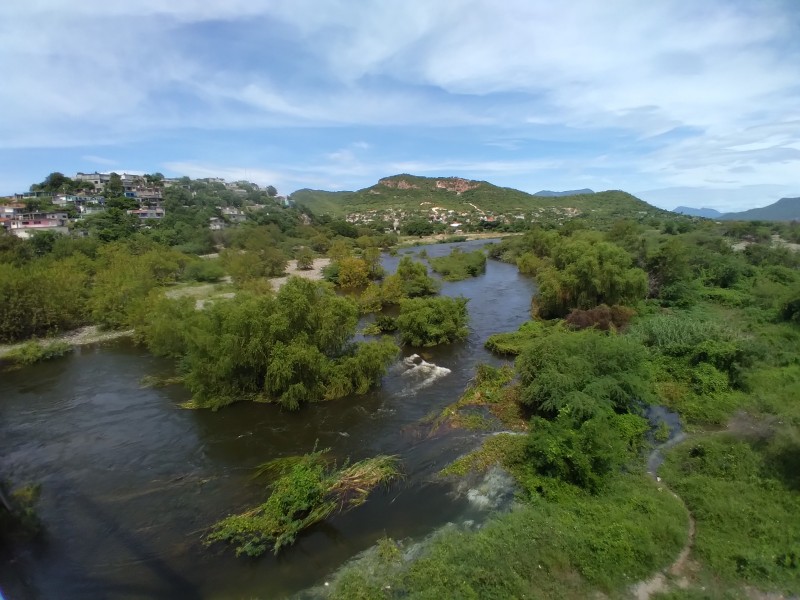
(677, 101)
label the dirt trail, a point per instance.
(678, 572)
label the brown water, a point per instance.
(130, 481)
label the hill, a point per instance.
(549, 194)
(456, 200)
(708, 213)
(785, 209)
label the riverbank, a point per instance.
(91, 334)
(412, 240)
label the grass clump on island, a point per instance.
(34, 351)
(307, 490)
(459, 265)
(493, 389)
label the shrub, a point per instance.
(432, 321)
(601, 317)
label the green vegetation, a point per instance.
(411, 280)
(33, 352)
(432, 321)
(459, 264)
(744, 496)
(635, 306)
(571, 549)
(290, 348)
(493, 389)
(475, 205)
(307, 490)
(635, 312)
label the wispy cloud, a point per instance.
(642, 95)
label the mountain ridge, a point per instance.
(785, 209)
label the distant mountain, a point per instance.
(708, 213)
(785, 209)
(549, 194)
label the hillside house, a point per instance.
(147, 213)
(24, 225)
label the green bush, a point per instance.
(33, 352)
(459, 265)
(204, 270)
(432, 321)
(584, 373)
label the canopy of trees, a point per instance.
(433, 321)
(291, 348)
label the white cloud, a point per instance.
(724, 74)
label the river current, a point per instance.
(130, 481)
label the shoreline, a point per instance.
(90, 334)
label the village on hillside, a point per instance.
(86, 194)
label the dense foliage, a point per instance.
(459, 265)
(291, 348)
(307, 490)
(432, 321)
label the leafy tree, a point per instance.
(305, 259)
(291, 348)
(418, 227)
(433, 321)
(412, 280)
(125, 279)
(586, 273)
(43, 297)
(114, 187)
(339, 250)
(584, 453)
(353, 272)
(111, 225)
(582, 374)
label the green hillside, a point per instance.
(409, 195)
(321, 202)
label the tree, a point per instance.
(586, 273)
(583, 374)
(305, 259)
(339, 250)
(584, 453)
(271, 191)
(290, 348)
(353, 272)
(114, 187)
(433, 321)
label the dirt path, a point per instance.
(677, 573)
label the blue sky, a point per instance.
(679, 102)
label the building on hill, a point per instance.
(147, 213)
(24, 225)
(99, 180)
(10, 210)
(64, 200)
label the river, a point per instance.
(130, 481)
